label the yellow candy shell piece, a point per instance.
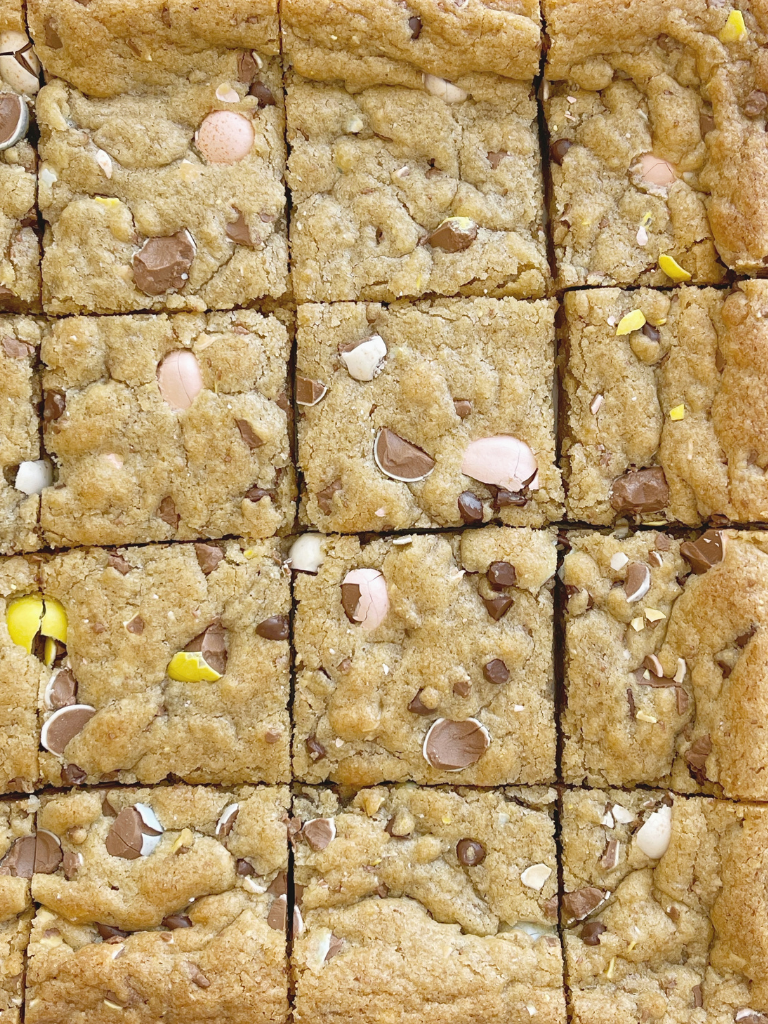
(631, 322)
(673, 269)
(54, 620)
(734, 29)
(191, 667)
(23, 618)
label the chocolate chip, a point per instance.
(263, 94)
(494, 159)
(350, 598)
(279, 884)
(498, 606)
(50, 35)
(197, 976)
(334, 946)
(278, 914)
(174, 921)
(705, 552)
(743, 640)
(116, 561)
(319, 833)
(248, 434)
(167, 512)
(163, 264)
(755, 103)
(470, 507)
(750, 1017)
(418, 708)
(463, 407)
(239, 231)
(64, 725)
(208, 557)
(63, 689)
(308, 391)
(582, 902)
(247, 68)
(501, 574)
(682, 700)
(455, 745)
(344, 665)
(591, 933)
(400, 459)
(651, 332)
(470, 852)
(696, 757)
(108, 931)
(211, 643)
(698, 997)
(558, 149)
(644, 490)
(54, 405)
(325, 497)
(126, 836)
(19, 861)
(244, 869)
(256, 493)
(315, 748)
(504, 498)
(415, 25)
(16, 349)
(71, 862)
(496, 672)
(276, 627)
(462, 688)
(73, 775)
(631, 702)
(662, 542)
(453, 235)
(136, 625)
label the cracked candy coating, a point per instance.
(387, 904)
(686, 393)
(221, 958)
(496, 354)
(19, 245)
(685, 938)
(355, 722)
(19, 430)
(16, 823)
(122, 169)
(691, 653)
(147, 725)
(393, 136)
(123, 451)
(631, 79)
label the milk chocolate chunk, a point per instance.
(582, 902)
(247, 68)
(415, 25)
(705, 552)
(14, 119)
(325, 497)
(591, 932)
(54, 405)
(501, 574)
(64, 725)
(400, 459)
(558, 149)
(494, 159)
(117, 561)
(495, 671)
(263, 94)
(50, 35)
(197, 976)
(418, 708)
(248, 434)
(278, 914)
(696, 757)
(73, 775)
(211, 643)
(308, 391)
(108, 931)
(136, 625)
(455, 745)
(453, 235)
(16, 349)
(239, 231)
(470, 852)
(208, 557)
(315, 748)
(276, 627)
(470, 507)
(319, 833)
(19, 861)
(498, 606)
(350, 598)
(256, 493)
(128, 837)
(641, 491)
(48, 855)
(167, 512)
(174, 921)
(163, 264)
(463, 407)
(63, 689)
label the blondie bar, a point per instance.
(657, 117)
(160, 904)
(167, 427)
(426, 905)
(23, 473)
(656, 114)
(17, 861)
(163, 159)
(666, 395)
(435, 414)
(19, 83)
(664, 909)
(665, 662)
(426, 658)
(415, 164)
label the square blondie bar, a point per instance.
(417, 396)
(167, 428)
(414, 164)
(163, 155)
(665, 405)
(23, 474)
(19, 84)
(664, 908)
(425, 658)
(665, 651)
(657, 116)
(160, 904)
(426, 905)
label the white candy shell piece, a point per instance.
(225, 137)
(33, 477)
(364, 361)
(306, 553)
(503, 461)
(653, 838)
(373, 604)
(179, 378)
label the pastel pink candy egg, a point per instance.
(502, 461)
(373, 604)
(225, 137)
(179, 379)
(656, 171)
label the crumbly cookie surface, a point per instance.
(16, 828)
(671, 384)
(413, 879)
(449, 373)
(180, 926)
(392, 699)
(167, 428)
